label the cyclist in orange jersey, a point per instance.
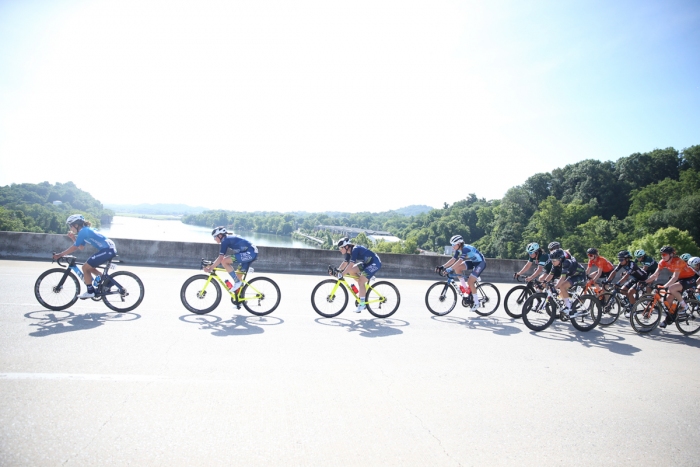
(604, 266)
(682, 277)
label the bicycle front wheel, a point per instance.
(329, 303)
(441, 298)
(489, 299)
(53, 295)
(124, 292)
(513, 302)
(538, 312)
(690, 324)
(645, 316)
(383, 299)
(200, 294)
(260, 296)
(589, 306)
(611, 308)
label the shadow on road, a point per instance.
(595, 338)
(58, 322)
(670, 335)
(377, 327)
(481, 323)
(238, 325)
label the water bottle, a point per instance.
(96, 281)
(463, 289)
(228, 284)
(354, 289)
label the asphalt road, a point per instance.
(161, 386)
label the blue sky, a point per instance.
(320, 106)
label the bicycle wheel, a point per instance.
(383, 299)
(489, 299)
(327, 303)
(590, 306)
(513, 303)
(611, 308)
(124, 292)
(691, 323)
(260, 296)
(441, 298)
(200, 294)
(538, 313)
(54, 296)
(645, 316)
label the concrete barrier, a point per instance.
(33, 246)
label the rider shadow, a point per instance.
(481, 323)
(377, 327)
(673, 336)
(593, 338)
(238, 325)
(58, 322)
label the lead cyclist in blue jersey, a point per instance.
(242, 251)
(81, 233)
(361, 262)
(465, 257)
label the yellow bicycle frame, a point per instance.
(234, 295)
(381, 298)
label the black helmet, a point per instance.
(557, 254)
(592, 251)
(554, 246)
(624, 254)
(667, 249)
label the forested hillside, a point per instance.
(30, 207)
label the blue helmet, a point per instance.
(532, 247)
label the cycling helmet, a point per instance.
(557, 254)
(74, 218)
(592, 251)
(694, 262)
(554, 246)
(624, 254)
(639, 253)
(345, 241)
(456, 239)
(685, 257)
(532, 247)
(667, 249)
(221, 230)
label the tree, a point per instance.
(678, 239)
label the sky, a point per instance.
(336, 106)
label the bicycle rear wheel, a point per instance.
(489, 299)
(123, 292)
(690, 324)
(589, 305)
(200, 294)
(53, 296)
(383, 299)
(326, 302)
(513, 302)
(645, 316)
(260, 296)
(539, 312)
(611, 308)
(441, 298)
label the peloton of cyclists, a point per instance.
(242, 251)
(573, 274)
(81, 233)
(682, 277)
(632, 274)
(360, 262)
(465, 257)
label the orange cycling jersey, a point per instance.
(677, 265)
(601, 263)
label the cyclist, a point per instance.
(573, 273)
(358, 261)
(682, 277)
(81, 233)
(242, 251)
(685, 257)
(694, 263)
(631, 271)
(536, 256)
(557, 246)
(465, 257)
(604, 266)
(648, 263)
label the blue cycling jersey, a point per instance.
(235, 243)
(95, 239)
(469, 253)
(362, 255)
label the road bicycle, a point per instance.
(330, 297)
(541, 309)
(649, 309)
(201, 293)
(615, 302)
(58, 288)
(441, 297)
(513, 302)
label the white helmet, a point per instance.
(694, 262)
(219, 231)
(74, 218)
(343, 242)
(456, 239)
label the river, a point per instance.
(176, 231)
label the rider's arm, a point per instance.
(68, 251)
(525, 268)
(534, 274)
(449, 263)
(673, 279)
